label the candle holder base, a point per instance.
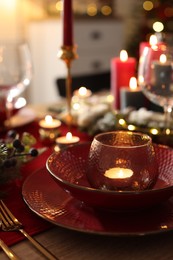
(48, 136)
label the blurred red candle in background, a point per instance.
(153, 41)
(122, 69)
(67, 23)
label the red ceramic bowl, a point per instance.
(69, 167)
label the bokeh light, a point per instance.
(148, 5)
(92, 10)
(158, 27)
(106, 10)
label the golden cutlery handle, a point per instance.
(42, 249)
(8, 251)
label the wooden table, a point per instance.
(67, 244)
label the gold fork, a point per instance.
(11, 223)
(11, 255)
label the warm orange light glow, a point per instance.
(59, 6)
(106, 10)
(148, 5)
(92, 9)
(8, 4)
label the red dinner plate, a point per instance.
(52, 203)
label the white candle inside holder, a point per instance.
(68, 139)
(118, 173)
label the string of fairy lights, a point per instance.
(167, 13)
(90, 9)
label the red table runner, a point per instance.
(32, 223)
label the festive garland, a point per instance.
(14, 150)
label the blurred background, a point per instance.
(101, 29)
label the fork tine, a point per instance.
(8, 218)
(8, 251)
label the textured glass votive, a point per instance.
(122, 160)
(49, 129)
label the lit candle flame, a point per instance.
(141, 79)
(123, 56)
(163, 58)
(118, 173)
(82, 91)
(153, 40)
(69, 136)
(48, 119)
(49, 122)
(133, 83)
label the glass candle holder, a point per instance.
(122, 160)
(49, 129)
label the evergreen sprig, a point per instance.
(15, 150)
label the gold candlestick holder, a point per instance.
(68, 54)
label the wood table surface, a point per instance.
(72, 245)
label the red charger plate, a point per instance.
(68, 169)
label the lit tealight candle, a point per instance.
(49, 123)
(118, 173)
(68, 139)
(49, 129)
(132, 96)
(162, 73)
(83, 92)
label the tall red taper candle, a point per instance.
(67, 23)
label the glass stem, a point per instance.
(168, 117)
(9, 109)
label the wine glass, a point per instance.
(15, 73)
(155, 77)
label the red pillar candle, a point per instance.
(153, 41)
(67, 23)
(122, 69)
